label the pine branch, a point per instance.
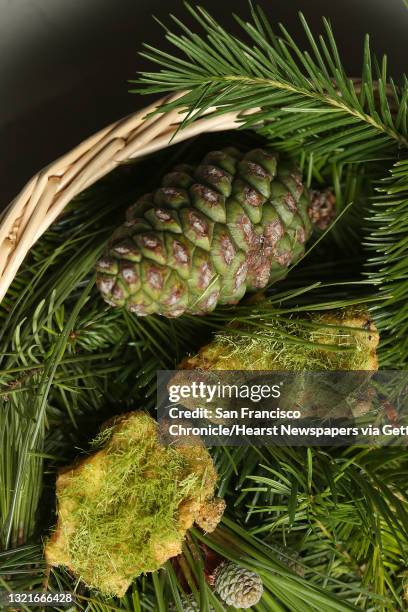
(303, 99)
(281, 586)
(331, 517)
(388, 264)
(21, 568)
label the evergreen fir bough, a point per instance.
(388, 263)
(305, 98)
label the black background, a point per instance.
(64, 64)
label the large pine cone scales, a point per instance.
(209, 234)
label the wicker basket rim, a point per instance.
(46, 194)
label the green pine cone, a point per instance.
(238, 586)
(209, 234)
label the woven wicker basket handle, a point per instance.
(45, 196)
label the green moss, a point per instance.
(119, 509)
(338, 340)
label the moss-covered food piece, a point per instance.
(125, 509)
